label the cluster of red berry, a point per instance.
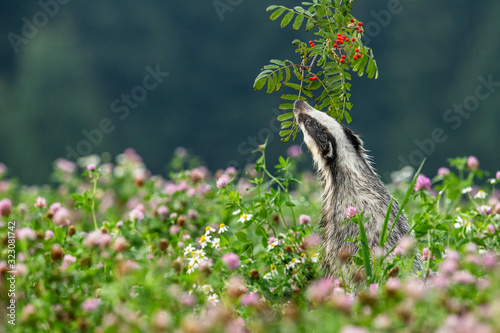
(341, 39)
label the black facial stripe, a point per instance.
(323, 138)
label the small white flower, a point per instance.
(292, 263)
(467, 190)
(295, 274)
(213, 299)
(460, 222)
(204, 239)
(222, 228)
(315, 257)
(207, 289)
(192, 289)
(209, 230)
(480, 195)
(493, 181)
(236, 212)
(188, 249)
(245, 217)
(272, 245)
(273, 272)
(216, 242)
(281, 256)
(191, 268)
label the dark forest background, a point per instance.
(64, 78)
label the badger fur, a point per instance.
(348, 179)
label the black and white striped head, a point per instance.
(330, 143)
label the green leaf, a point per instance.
(287, 19)
(347, 117)
(277, 62)
(286, 124)
(271, 8)
(309, 24)
(277, 13)
(285, 116)
(286, 106)
(290, 97)
(298, 22)
(271, 83)
(259, 84)
(285, 132)
(242, 237)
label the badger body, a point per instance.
(348, 179)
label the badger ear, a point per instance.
(354, 139)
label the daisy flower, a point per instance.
(204, 239)
(216, 242)
(292, 263)
(188, 249)
(315, 257)
(208, 230)
(245, 217)
(213, 299)
(480, 195)
(222, 228)
(271, 273)
(207, 289)
(466, 190)
(192, 289)
(236, 212)
(272, 245)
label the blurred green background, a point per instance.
(65, 66)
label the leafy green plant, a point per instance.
(323, 71)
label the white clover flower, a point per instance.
(222, 228)
(245, 217)
(315, 257)
(213, 299)
(467, 190)
(188, 249)
(481, 195)
(216, 242)
(207, 289)
(209, 230)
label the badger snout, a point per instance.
(299, 106)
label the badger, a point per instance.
(348, 179)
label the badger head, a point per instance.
(331, 144)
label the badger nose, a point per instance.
(299, 105)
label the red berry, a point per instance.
(354, 39)
(360, 24)
(343, 56)
(342, 60)
(360, 31)
(352, 20)
(335, 45)
(338, 35)
(354, 58)
(357, 50)
(358, 55)
(313, 78)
